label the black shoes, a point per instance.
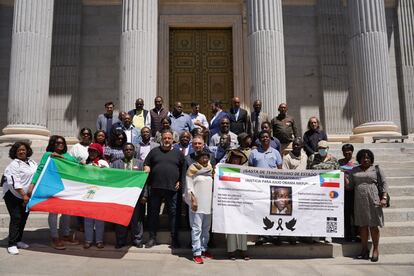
(150, 243)
(363, 256)
(175, 244)
(374, 259)
(138, 244)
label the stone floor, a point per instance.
(40, 260)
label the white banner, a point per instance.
(271, 202)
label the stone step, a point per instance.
(400, 181)
(398, 214)
(397, 245)
(396, 229)
(402, 201)
(397, 171)
(388, 246)
(402, 190)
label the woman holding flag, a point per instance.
(95, 158)
(56, 147)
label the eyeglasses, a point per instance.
(59, 143)
(86, 134)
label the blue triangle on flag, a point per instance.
(49, 185)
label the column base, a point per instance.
(364, 133)
(338, 138)
(35, 135)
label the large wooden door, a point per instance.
(201, 67)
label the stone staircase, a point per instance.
(397, 237)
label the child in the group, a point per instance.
(95, 158)
(198, 195)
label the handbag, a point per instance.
(379, 180)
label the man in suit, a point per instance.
(107, 119)
(257, 117)
(239, 118)
(137, 230)
(216, 109)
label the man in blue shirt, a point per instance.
(180, 121)
(265, 156)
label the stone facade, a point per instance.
(310, 64)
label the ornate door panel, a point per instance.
(201, 67)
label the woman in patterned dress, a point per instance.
(370, 198)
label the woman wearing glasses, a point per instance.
(56, 148)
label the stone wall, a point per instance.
(99, 66)
(303, 87)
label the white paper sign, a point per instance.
(272, 202)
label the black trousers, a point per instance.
(350, 229)
(136, 224)
(18, 217)
(155, 199)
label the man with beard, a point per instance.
(167, 170)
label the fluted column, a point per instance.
(405, 11)
(138, 72)
(267, 53)
(64, 76)
(29, 70)
(369, 69)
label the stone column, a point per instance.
(29, 70)
(64, 73)
(267, 53)
(138, 64)
(405, 11)
(369, 70)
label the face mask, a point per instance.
(323, 152)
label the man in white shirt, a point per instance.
(199, 120)
(224, 129)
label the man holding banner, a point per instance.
(265, 157)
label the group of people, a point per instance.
(179, 152)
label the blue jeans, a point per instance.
(99, 230)
(53, 225)
(200, 231)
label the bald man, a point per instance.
(180, 121)
(239, 118)
(284, 128)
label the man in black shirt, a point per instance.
(167, 169)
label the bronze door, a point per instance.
(201, 67)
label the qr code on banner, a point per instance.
(331, 225)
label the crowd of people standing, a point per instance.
(179, 152)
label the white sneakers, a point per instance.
(13, 250)
(22, 245)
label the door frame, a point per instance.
(201, 21)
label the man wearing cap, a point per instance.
(322, 160)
